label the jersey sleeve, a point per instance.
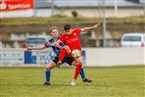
(62, 44)
(46, 45)
(51, 41)
(77, 30)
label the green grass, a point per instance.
(126, 81)
(64, 20)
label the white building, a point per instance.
(90, 8)
(84, 8)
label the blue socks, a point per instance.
(47, 75)
(82, 73)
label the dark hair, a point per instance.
(67, 27)
(52, 29)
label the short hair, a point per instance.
(52, 29)
(67, 27)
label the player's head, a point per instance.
(67, 29)
(54, 32)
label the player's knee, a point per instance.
(48, 68)
(67, 49)
(79, 62)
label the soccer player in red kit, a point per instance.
(71, 38)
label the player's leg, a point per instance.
(65, 50)
(49, 66)
(70, 62)
(77, 70)
(82, 73)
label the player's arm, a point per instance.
(60, 45)
(36, 48)
(57, 44)
(90, 28)
(49, 44)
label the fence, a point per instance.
(114, 56)
(91, 57)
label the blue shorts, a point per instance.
(65, 60)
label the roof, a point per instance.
(42, 3)
(88, 3)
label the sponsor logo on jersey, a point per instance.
(73, 40)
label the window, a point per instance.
(132, 38)
(35, 40)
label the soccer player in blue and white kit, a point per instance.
(55, 34)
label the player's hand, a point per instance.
(49, 44)
(59, 63)
(57, 45)
(97, 25)
(29, 48)
(46, 42)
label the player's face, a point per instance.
(54, 33)
(68, 32)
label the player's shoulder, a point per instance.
(76, 29)
(51, 40)
(64, 34)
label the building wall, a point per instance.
(98, 12)
(82, 12)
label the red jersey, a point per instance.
(73, 40)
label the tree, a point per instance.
(74, 14)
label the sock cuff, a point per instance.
(63, 49)
(47, 71)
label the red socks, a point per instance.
(77, 70)
(78, 67)
(62, 53)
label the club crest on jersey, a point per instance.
(66, 36)
(75, 34)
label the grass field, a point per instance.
(126, 81)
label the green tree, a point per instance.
(74, 14)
